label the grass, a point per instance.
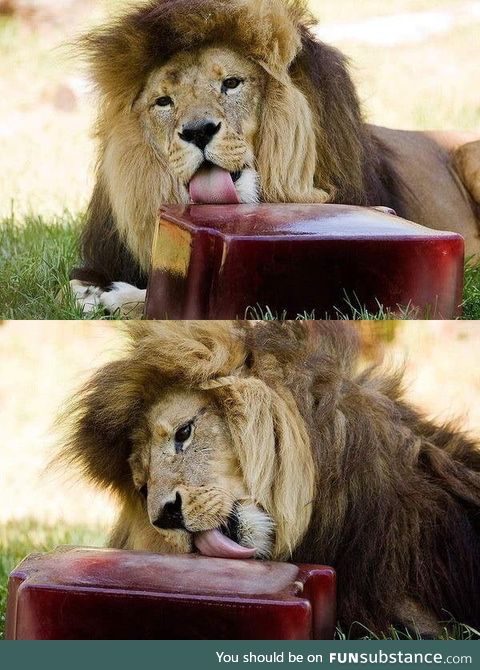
(260, 313)
(452, 630)
(471, 293)
(353, 310)
(20, 538)
(37, 254)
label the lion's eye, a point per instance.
(231, 83)
(183, 433)
(164, 101)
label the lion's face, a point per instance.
(201, 112)
(184, 466)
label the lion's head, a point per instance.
(218, 101)
(201, 439)
(185, 466)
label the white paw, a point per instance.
(87, 296)
(122, 298)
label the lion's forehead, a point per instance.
(176, 403)
(190, 68)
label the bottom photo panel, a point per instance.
(240, 480)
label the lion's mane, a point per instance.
(351, 474)
(312, 135)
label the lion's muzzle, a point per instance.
(248, 532)
(171, 515)
(199, 133)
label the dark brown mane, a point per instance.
(398, 507)
(105, 258)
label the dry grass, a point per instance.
(355, 10)
(442, 368)
(421, 86)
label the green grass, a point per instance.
(352, 310)
(452, 630)
(36, 256)
(20, 538)
(471, 293)
(259, 313)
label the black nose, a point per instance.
(199, 132)
(171, 515)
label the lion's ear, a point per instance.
(269, 29)
(101, 418)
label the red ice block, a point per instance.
(81, 593)
(215, 261)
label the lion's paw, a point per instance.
(120, 298)
(87, 296)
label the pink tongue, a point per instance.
(215, 543)
(212, 184)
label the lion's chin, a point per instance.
(247, 186)
(248, 533)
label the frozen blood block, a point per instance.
(216, 261)
(81, 593)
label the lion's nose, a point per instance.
(199, 132)
(171, 515)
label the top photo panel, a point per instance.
(239, 159)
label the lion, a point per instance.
(268, 440)
(227, 101)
